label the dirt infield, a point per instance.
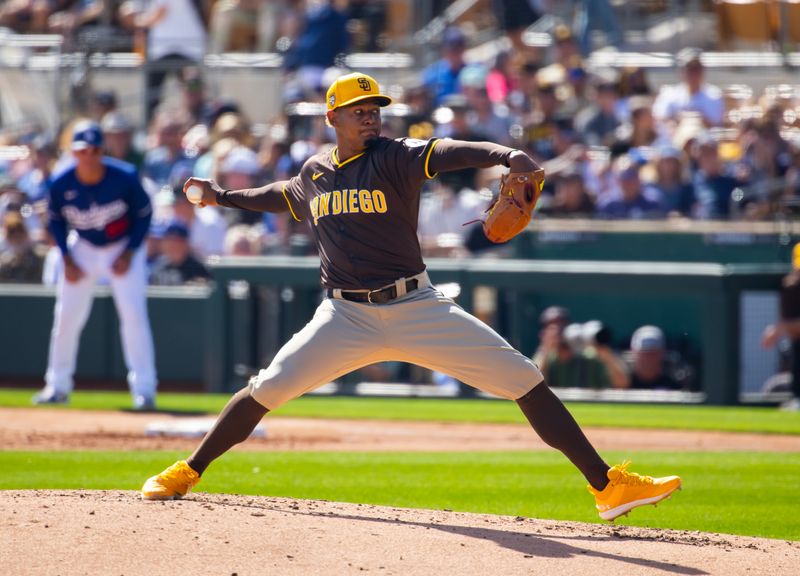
(72, 533)
(97, 532)
(49, 429)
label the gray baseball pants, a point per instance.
(422, 327)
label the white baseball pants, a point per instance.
(74, 303)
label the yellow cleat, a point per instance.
(173, 483)
(627, 490)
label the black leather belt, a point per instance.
(379, 296)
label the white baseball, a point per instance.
(194, 194)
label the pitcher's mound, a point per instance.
(96, 532)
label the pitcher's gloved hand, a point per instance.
(511, 211)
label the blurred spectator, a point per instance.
(102, 102)
(441, 77)
(492, 118)
(206, 226)
(598, 123)
(542, 124)
(649, 370)
(153, 241)
(514, 16)
(167, 151)
(670, 187)
(118, 138)
(207, 165)
(323, 39)
(13, 200)
(195, 143)
(242, 240)
(766, 159)
(572, 355)
(235, 25)
(640, 129)
(566, 51)
(367, 19)
(33, 182)
(691, 95)
(418, 119)
(766, 155)
(571, 199)
(500, 80)
(788, 325)
(552, 322)
(231, 125)
(194, 94)
(217, 108)
(240, 170)
(713, 185)
(632, 204)
(596, 15)
(597, 345)
(72, 15)
(177, 266)
(454, 120)
(20, 259)
(442, 215)
(632, 83)
(578, 99)
(27, 16)
(176, 37)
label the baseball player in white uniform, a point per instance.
(99, 215)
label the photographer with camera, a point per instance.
(577, 355)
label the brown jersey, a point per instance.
(363, 211)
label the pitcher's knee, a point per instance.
(272, 391)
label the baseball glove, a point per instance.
(510, 212)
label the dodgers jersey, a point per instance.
(363, 211)
(102, 213)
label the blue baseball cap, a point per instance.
(176, 228)
(87, 134)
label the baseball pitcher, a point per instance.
(361, 202)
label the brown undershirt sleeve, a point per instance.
(448, 155)
(267, 198)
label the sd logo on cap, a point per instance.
(352, 88)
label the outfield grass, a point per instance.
(752, 494)
(733, 419)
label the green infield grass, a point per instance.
(754, 494)
(686, 417)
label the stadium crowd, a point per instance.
(614, 145)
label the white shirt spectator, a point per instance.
(207, 233)
(676, 99)
(179, 31)
(443, 213)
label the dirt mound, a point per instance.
(53, 429)
(96, 532)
